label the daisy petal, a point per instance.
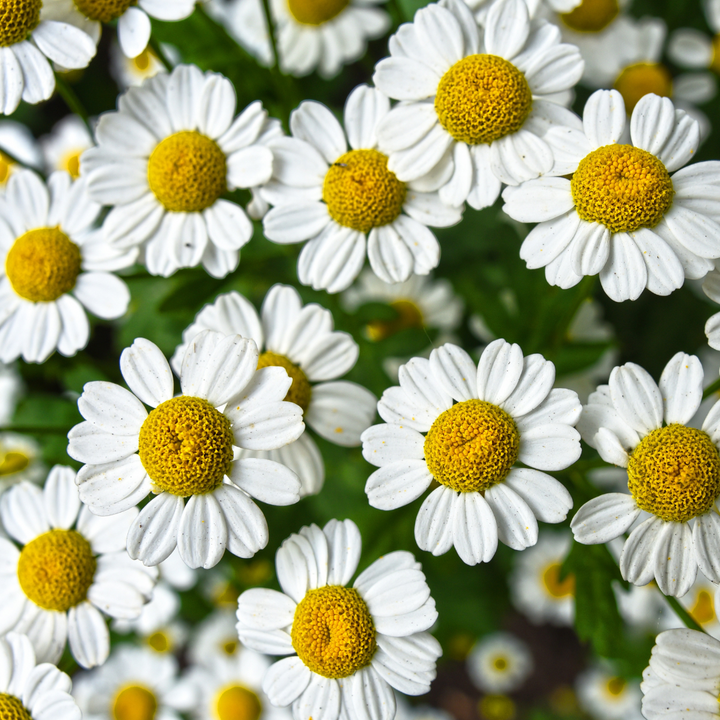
(153, 535)
(535, 384)
(386, 444)
(133, 31)
(675, 565)
(604, 118)
(111, 408)
(269, 426)
(475, 532)
(434, 522)
(265, 609)
(405, 79)
(550, 447)
(113, 487)
(266, 480)
(60, 494)
(269, 642)
(397, 484)
(499, 370)
(320, 700)
(604, 518)
(369, 696)
(652, 123)
(22, 511)
(315, 124)
(340, 411)
(636, 398)
(246, 525)
(285, 680)
(407, 663)
(364, 109)
(88, 635)
(147, 373)
(624, 275)
(344, 546)
(454, 369)
(637, 561)
(706, 541)
(548, 498)
(507, 28)
(517, 526)
(681, 385)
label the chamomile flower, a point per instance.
(215, 638)
(20, 143)
(20, 459)
(339, 201)
(642, 426)
(128, 72)
(506, 411)
(499, 663)
(54, 267)
(622, 215)
(606, 696)
(302, 341)
(164, 160)
(29, 690)
(700, 601)
(66, 142)
(475, 114)
(184, 449)
(245, 22)
(536, 8)
(348, 647)
(72, 568)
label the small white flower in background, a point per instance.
(642, 426)
(135, 683)
(20, 143)
(536, 8)
(701, 602)
(215, 638)
(20, 459)
(499, 663)
(53, 267)
(302, 341)
(711, 287)
(341, 202)
(184, 449)
(29, 690)
(606, 696)
(506, 411)
(536, 589)
(64, 145)
(475, 113)
(133, 23)
(683, 677)
(72, 567)
(245, 22)
(164, 160)
(348, 646)
(405, 711)
(622, 215)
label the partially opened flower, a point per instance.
(673, 474)
(64, 145)
(478, 423)
(348, 647)
(71, 569)
(184, 449)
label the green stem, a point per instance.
(683, 614)
(711, 388)
(157, 49)
(72, 101)
(271, 33)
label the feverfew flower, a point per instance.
(622, 214)
(475, 114)
(348, 646)
(184, 448)
(165, 158)
(67, 141)
(642, 426)
(20, 459)
(506, 411)
(499, 663)
(215, 638)
(16, 139)
(72, 567)
(606, 696)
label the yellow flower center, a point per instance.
(18, 18)
(12, 709)
(554, 586)
(361, 193)
(103, 10)
(316, 12)
(56, 569)
(622, 187)
(615, 686)
(71, 163)
(6, 167)
(674, 473)
(143, 60)
(472, 446)
(43, 264)
(500, 663)
(408, 316)
(159, 641)
(229, 647)
(591, 16)
(12, 462)
(715, 62)
(703, 609)
(333, 632)
(300, 391)
(225, 595)
(187, 172)
(186, 446)
(482, 98)
(636, 81)
(496, 707)
(134, 702)
(235, 702)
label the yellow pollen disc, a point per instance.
(591, 16)
(186, 446)
(235, 702)
(56, 569)
(703, 610)
(43, 264)
(18, 18)
(622, 187)
(636, 81)
(103, 10)
(12, 709)
(616, 685)
(472, 446)
(500, 663)
(482, 98)
(300, 391)
(159, 641)
(408, 316)
(13, 462)
(333, 632)
(674, 473)
(187, 172)
(229, 647)
(71, 163)
(555, 587)
(134, 702)
(142, 61)
(316, 12)
(496, 707)
(361, 193)
(6, 166)
(715, 62)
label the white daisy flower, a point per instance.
(72, 567)
(215, 638)
(31, 38)
(506, 411)
(700, 602)
(499, 663)
(638, 425)
(133, 18)
(348, 646)
(245, 22)
(128, 72)
(20, 143)
(66, 142)
(164, 160)
(711, 287)
(606, 696)
(184, 448)
(536, 8)
(29, 690)
(622, 214)
(470, 139)
(20, 459)
(536, 589)
(54, 267)
(302, 341)
(338, 200)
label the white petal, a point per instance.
(268, 426)
(88, 635)
(636, 397)
(202, 532)
(64, 44)
(534, 386)
(675, 564)
(22, 510)
(286, 680)
(133, 31)
(550, 447)
(246, 525)
(153, 535)
(344, 546)
(60, 494)
(315, 124)
(249, 167)
(434, 522)
(475, 532)
(517, 526)
(681, 387)
(652, 123)
(340, 411)
(147, 373)
(295, 222)
(386, 444)
(499, 370)
(90, 445)
(604, 118)
(405, 79)
(368, 696)
(265, 609)
(624, 275)
(365, 107)
(548, 499)
(320, 700)
(604, 518)
(397, 484)
(266, 480)
(507, 28)
(637, 561)
(454, 369)
(706, 541)
(113, 487)
(111, 408)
